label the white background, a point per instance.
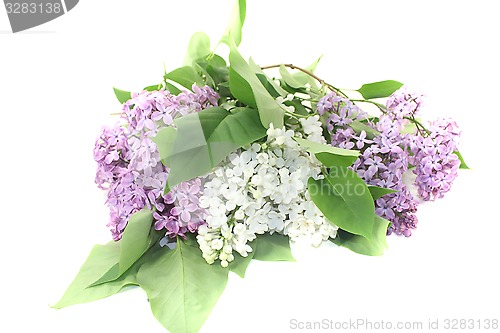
(55, 94)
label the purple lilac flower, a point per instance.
(112, 154)
(385, 158)
(125, 198)
(129, 165)
(383, 164)
(404, 103)
(182, 212)
(436, 164)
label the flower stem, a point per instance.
(381, 107)
(308, 72)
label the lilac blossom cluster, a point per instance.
(436, 164)
(130, 169)
(388, 150)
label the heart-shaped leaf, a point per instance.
(182, 288)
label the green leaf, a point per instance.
(379, 89)
(136, 240)
(173, 89)
(409, 128)
(329, 155)
(182, 288)
(218, 70)
(234, 30)
(273, 247)
(289, 78)
(100, 260)
(185, 76)
(344, 198)
(359, 244)
(246, 87)
(239, 264)
(463, 165)
(358, 126)
(204, 139)
(122, 95)
(378, 192)
(297, 104)
(304, 78)
(153, 87)
(165, 140)
(269, 83)
(198, 48)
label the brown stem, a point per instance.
(311, 74)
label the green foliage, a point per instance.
(358, 126)
(344, 198)
(378, 192)
(328, 155)
(202, 140)
(272, 87)
(185, 76)
(113, 266)
(234, 30)
(137, 238)
(153, 87)
(379, 89)
(273, 247)
(246, 86)
(304, 78)
(122, 95)
(173, 89)
(198, 49)
(289, 79)
(240, 264)
(101, 260)
(375, 246)
(463, 165)
(182, 288)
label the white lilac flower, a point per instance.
(262, 189)
(313, 129)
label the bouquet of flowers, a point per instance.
(222, 163)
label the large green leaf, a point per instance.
(185, 76)
(204, 139)
(198, 48)
(165, 140)
(137, 238)
(378, 192)
(345, 200)
(273, 247)
(234, 30)
(379, 89)
(122, 95)
(246, 86)
(359, 244)
(182, 288)
(100, 260)
(329, 155)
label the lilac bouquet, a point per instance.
(222, 163)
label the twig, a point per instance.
(311, 74)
